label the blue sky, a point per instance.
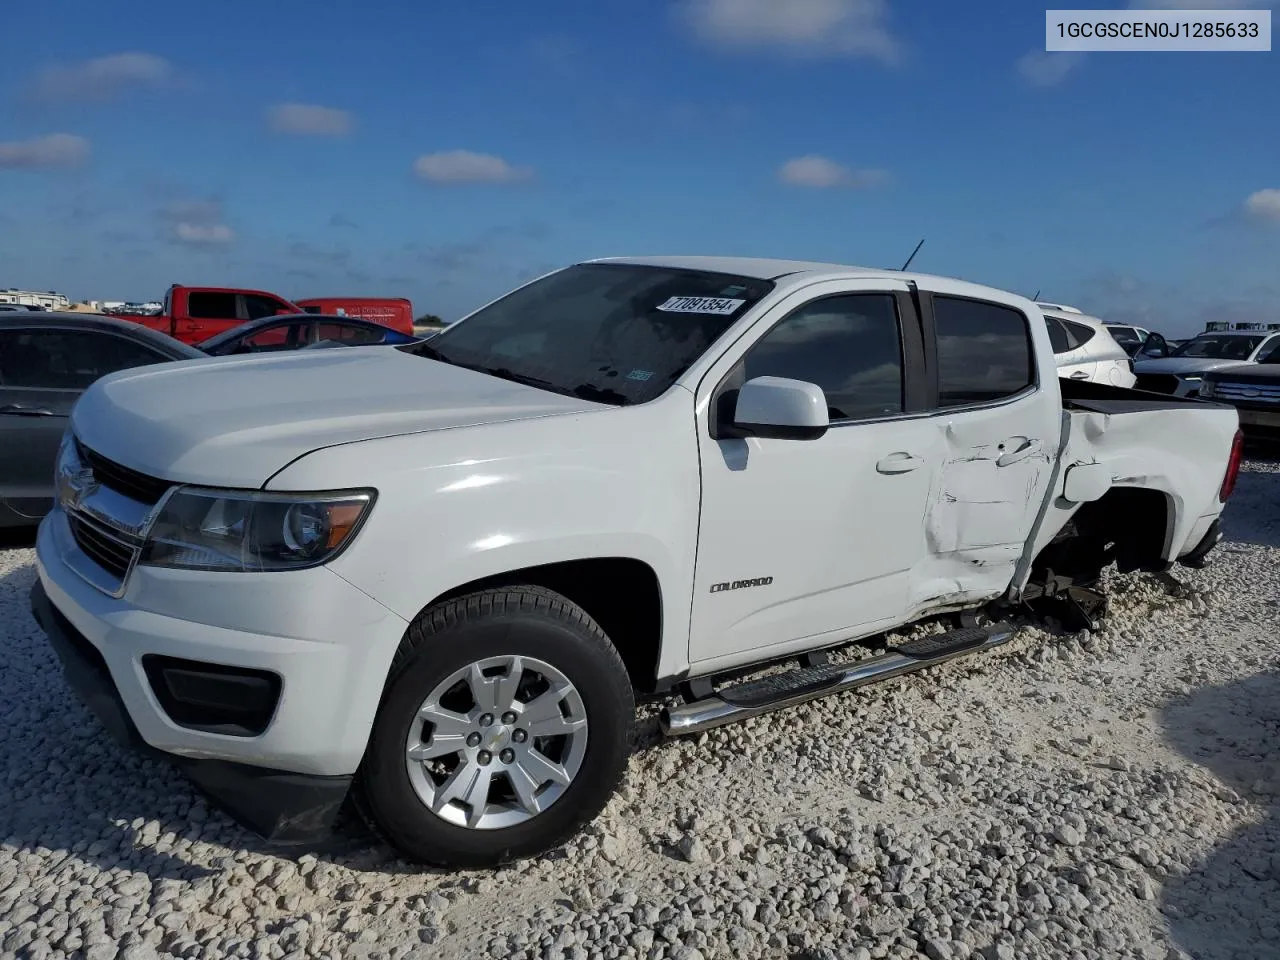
(449, 151)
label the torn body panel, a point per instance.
(987, 496)
(1125, 444)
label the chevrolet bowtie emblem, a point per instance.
(74, 486)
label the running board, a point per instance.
(755, 697)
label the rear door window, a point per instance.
(1057, 335)
(211, 305)
(984, 351)
(348, 333)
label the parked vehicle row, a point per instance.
(1182, 372)
(1085, 348)
(437, 576)
(47, 360)
(194, 314)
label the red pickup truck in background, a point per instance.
(193, 314)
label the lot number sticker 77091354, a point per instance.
(718, 306)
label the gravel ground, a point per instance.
(1103, 795)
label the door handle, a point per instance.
(1024, 451)
(18, 410)
(899, 463)
(1079, 375)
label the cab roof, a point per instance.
(796, 270)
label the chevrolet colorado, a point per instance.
(435, 578)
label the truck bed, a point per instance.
(1105, 398)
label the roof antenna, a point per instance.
(913, 254)
(1037, 295)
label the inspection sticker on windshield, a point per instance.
(719, 306)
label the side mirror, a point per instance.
(778, 408)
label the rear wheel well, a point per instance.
(1127, 526)
(621, 594)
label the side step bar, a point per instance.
(755, 697)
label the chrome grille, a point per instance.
(1247, 392)
(131, 483)
(104, 547)
(108, 508)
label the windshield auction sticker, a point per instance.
(718, 306)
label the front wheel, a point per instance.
(506, 725)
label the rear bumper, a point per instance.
(282, 807)
(1199, 555)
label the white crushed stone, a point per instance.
(1108, 795)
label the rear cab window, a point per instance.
(984, 351)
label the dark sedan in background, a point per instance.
(46, 361)
(302, 331)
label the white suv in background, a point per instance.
(1084, 348)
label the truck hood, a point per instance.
(1180, 365)
(235, 421)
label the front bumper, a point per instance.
(324, 645)
(282, 807)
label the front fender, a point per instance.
(455, 506)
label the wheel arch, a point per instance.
(622, 594)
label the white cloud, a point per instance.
(463, 166)
(821, 173)
(101, 78)
(1264, 205)
(849, 28)
(309, 120)
(203, 235)
(197, 223)
(1041, 68)
(42, 153)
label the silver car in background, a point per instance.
(1182, 371)
(1084, 348)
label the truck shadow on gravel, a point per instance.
(1228, 906)
(67, 786)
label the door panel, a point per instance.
(997, 425)
(803, 542)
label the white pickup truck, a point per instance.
(437, 577)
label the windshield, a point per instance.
(612, 332)
(1125, 336)
(1218, 347)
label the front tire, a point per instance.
(505, 725)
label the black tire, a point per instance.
(522, 621)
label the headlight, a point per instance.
(199, 529)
